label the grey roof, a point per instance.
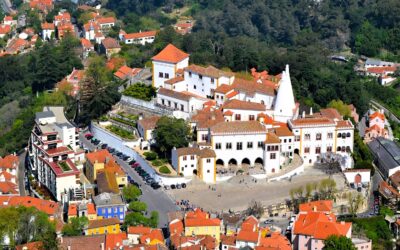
(65, 124)
(386, 151)
(44, 114)
(108, 199)
(372, 61)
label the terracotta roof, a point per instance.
(320, 225)
(272, 138)
(231, 94)
(317, 206)
(387, 190)
(36, 245)
(103, 222)
(210, 71)
(155, 234)
(283, 131)
(381, 70)
(248, 236)
(124, 72)
(228, 240)
(174, 94)
(243, 105)
(344, 124)
(76, 242)
(86, 43)
(276, 241)
(176, 227)
(202, 153)
(141, 34)
(99, 156)
(331, 113)
(7, 187)
(199, 222)
(48, 26)
(4, 29)
(197, 213)
(105, 20)
(6, 175)
(139, 230)
(48, 207)
(149, 122)
(251, 87)
(207, 118)
(175, 80)
(312, 121)
(238, 127)
(170, 54)
(377, 114)
(9, 162)
(115, 241)
(223, 88)
(72, 210)
(8, 18)
(110, 43)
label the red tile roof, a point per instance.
(48, 207)
(110, 43)
(141, 34)
(5, 29)
(377, 114)
(155, 234)
(103, 222)
(48, 26)
(202, 222)
(139, 230)
(176, 227)
(381, 70)
(317, 206)
(331, 113)
(72, 210)
(8, 187)
(275, 241)
(243, 105)
(115, 241)
(235, 127)
(9, 162)
(223, 88)
(105, 20)
(248, 236)
(36, 245)
(99, 156)
(148, 122)
(86, 43)
(170, 54)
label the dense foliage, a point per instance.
(75, 226)
(140, 91)
(338, 243)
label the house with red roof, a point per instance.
(44, 6)
(87, 47)
(5, 29)
(145, 235)
(9, 20)
(142, 37)
(127, 73)
(48, 30)
(376, 126)
(8, 175)
(51, 208)
(110, 46)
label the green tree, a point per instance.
(137, 206)
(171, 132)
(75, 226)
(335, 242)
(131, 193)
(341, 107)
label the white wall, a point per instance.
(66, 183)
(208, 170)
(272, 164)
(365, 176)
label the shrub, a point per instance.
(157, 162)
(150, 155)
(140, 91)
(164, 170)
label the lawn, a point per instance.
(123, 133)
(164, 170)
(64, 166)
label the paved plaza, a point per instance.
(239, 191)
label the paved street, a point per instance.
(21, 174)
(157, 200)
(6, 6)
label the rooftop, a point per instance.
(243, 105)
(148, 122)
(108, 199)
(171, 54)
(141, 34)
(238, 127)
(387, 151)
(102, 222)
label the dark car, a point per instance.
(104, 146)
(155, 185)
(111, 150)
(125, 157)
(183, 185)
(149, 180)
(132, 162)
(93, 140)
(96, 142)
(119, 154)
(89, 137)
(173, 186)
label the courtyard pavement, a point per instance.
(239, 191)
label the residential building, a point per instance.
(54, 150)
(8, 175)
(110, 46)
(167, 63)
(45, 6)
(376, 126)
(87, 47)
(145, 235)
(63, 17)
(110, 205)
(105, 23)
(48, 30)
(9, 20)
(184, 27)
(84, 208)
(146, 126)
(141, 38)
(386, 156)
(64, 29)
(195, 161)
(4, 30)
(127, 73)
(357, 177)
(103, 226)
(199, 222)
(16, 46)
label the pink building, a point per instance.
(376, 127)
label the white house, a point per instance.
(146, 126)
(357, 177)
(180, 101)
(141, 38)
(167, 63)
(47, 31)
(191, 161)
(242, 110)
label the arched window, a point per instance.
(339, 135)
(348, 134)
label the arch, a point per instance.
(348, 134)
(348, 149)
(246, 161)
(357, 179)
(259, 161)
(296, 151)
(232, 162)
(219, 162)
(339, 135)
(195, 172)
(338, 149)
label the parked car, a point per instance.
(136, 165)
(178, 186)
(149, 181)
(173, 186)
(111, 150)
(183, 185)
(132, 162)
(119, 154)
(104, 146)
(155, 185)
(96, 142)
(125, 157)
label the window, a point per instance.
(251, 117)
(272, 156)
(204, 137)
(162, 102)
(212, 80)
(330, 135)
(237, 117)
(161, 75)
(169, 103)
(109, 210)
(185, 166)
(348, 135)
(182, 169)
(208, 170)
(217, 145)
(190, 74)
(166, 76)
(176, 105)
(239, 146)
(318, 150)
(329, 149)
(260, 144)
(318, 136)
(192, 166)
(228, 145)
(297, 138)
(284, 140)
(208, 160)
(185, 158)
(200, 77)
(182, 107)
(307, 137)
(306, 150)
(249, 144)
(192, 157)
(194, 86)
(339, 135)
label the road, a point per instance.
(21, 173)
(157, 200)
(387, 112)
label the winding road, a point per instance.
(6, 6)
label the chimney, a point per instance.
(314, 208)
(102, 246)
(304, 114)
(311, 113)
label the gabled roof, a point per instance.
(243, 105)
(210, 71)
(110, 43)
(149, 122)
(238, 127)
(102, 222)
(331, 113)
(100, 156)
(377, 114)
(139, 230)
(9, 162)
(223, 88)
(141, 34)
(317, 206)
(248, 236)
(86, 43)
(275, 241)
(170, 54)
(105, 20)
(48, 26)
(272, 139)
(48, 207)
(176, 227)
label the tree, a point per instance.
(75, 226)
(354, 201)
(255, 208)
(171, 132)
(341, 107)
(131, 193)
(137, 206)
(335, 242)
(327, 189)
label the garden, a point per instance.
(123, 133)
(160, 164)
(140, 91)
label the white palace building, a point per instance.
(243, 121)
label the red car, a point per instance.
(134, 165)
(88, 136)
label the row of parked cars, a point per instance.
(146, 176)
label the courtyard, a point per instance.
(236, 193)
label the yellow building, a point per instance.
(103, 226)
(200, 223)
(95, 162)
